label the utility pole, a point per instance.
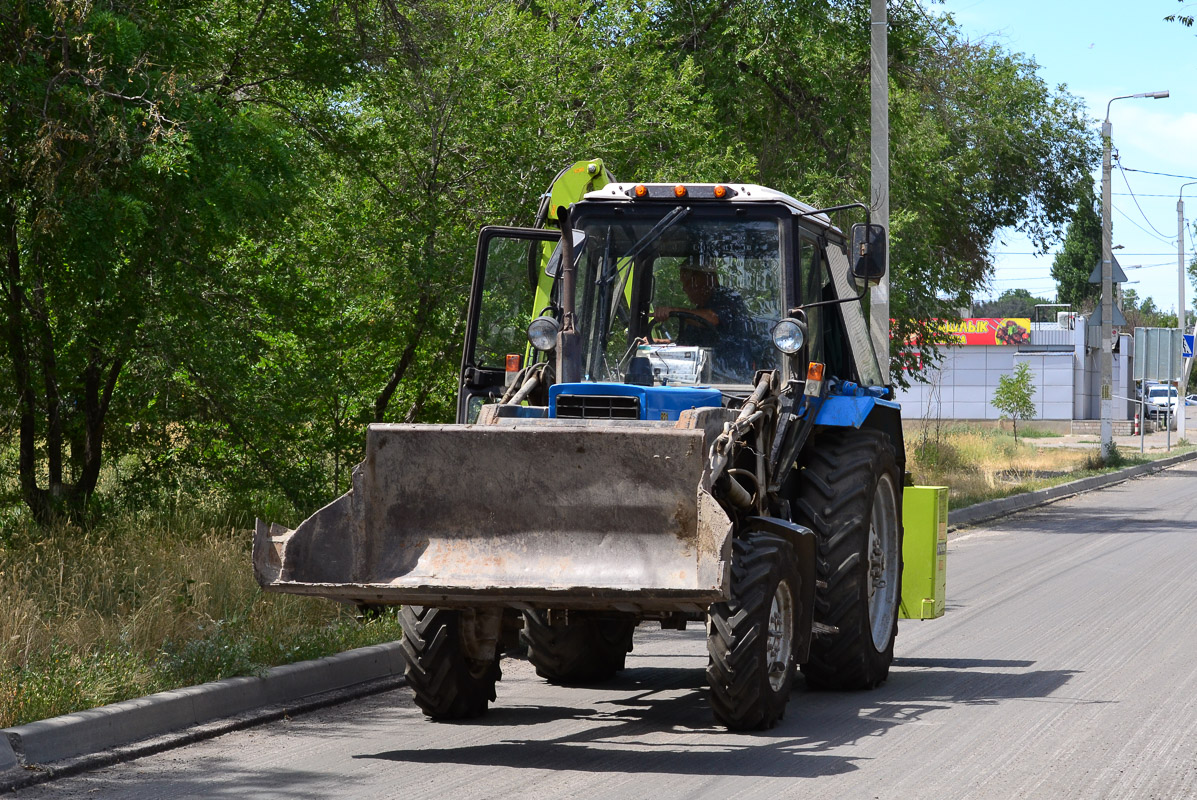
(879, 176)
(1182, 379)
(1107, 274)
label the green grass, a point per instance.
(1036, 433)
(138, 605)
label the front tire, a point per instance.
(750, 638)
(849, 493)
(447, 682)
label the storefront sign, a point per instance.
(986, 330)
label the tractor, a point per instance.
(670, 409)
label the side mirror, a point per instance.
(553, 268)
(868, 252)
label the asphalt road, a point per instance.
(1066, 667)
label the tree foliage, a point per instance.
(1080, 253)
(978, 142)
(1010, 303)
(1182, 19)
(236, 233)
(1143, 313)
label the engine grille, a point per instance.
(597, 406)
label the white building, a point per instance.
(1064, 361)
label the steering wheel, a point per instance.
(657, 331)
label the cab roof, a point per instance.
(741, 193)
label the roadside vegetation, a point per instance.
(981, 463)
(146, 602)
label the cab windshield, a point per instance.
(678, 297)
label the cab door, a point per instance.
(509, 266)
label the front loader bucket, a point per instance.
(544, 513)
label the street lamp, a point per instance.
(1180, 300)
(1107, 294)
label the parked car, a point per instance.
(1161, 400)
(1191, 400)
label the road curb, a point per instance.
(991, 509)
(120, 724)
(8, 760)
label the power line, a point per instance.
(1128, 218)
(1046, 255)
(1132, 193)
(1164, 174)
(931, 24)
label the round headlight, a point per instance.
(542, 333)
(789, 335)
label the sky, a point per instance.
(1101, 49)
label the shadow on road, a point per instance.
(961, 663)
(1076, 519)
(657, 720)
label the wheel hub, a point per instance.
(884, 562)
(780, 643)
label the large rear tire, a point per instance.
(448, 683)
(750, 638)
(849, 492)
(578, 648)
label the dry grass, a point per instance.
(981, 463)
(93, 616)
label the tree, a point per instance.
(1191, 268)
(1010, 303)
(1013, 396)
(1144, 313)
(1080, 254)
(978, 141)
(133, 156)
(352, 305)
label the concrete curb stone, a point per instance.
(990, 509)
(118, 724)
(8, 759)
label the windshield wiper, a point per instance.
(609, 270)
(668, 221)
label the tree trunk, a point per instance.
(58, 499)
(420, 323)
(18, 351)
(97, 397)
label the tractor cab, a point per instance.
(677, 299)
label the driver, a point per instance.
(717, 313)
(718, 320)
